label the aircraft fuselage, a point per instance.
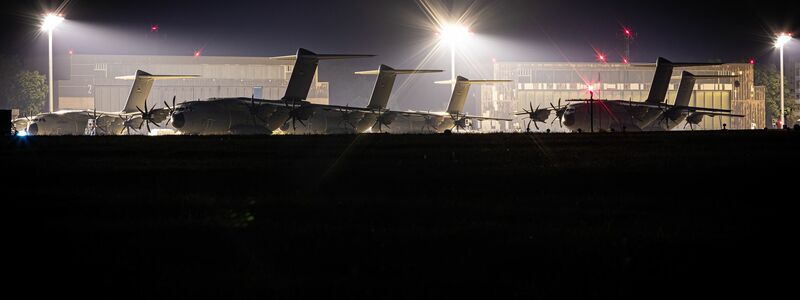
(608, 115)
(67, 123)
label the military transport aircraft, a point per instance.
(652, 114)
(452, 118)
(376, 117)
(293, 114)
(246, 116)
(680, 111)
(135, 115)
(379, 115)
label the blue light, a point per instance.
(22, 133)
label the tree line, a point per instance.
(769, 76)
(20, 88)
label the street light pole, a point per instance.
(49, 23)
(453, 65)
(50, 71)
(781, 41)
(591, 108)
(783, 121)
(453, 34)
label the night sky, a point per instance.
(395, 30)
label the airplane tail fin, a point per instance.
(459, 96)
(385, 83)
(685, 89)
(687, 86)
(305, 67)
(142, 84)
(661, 79)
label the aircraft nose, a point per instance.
(569, 119)
(178, 120)
(33, 129)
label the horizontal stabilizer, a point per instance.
(389, 70)
(705, 76)
(688, 65)
(304, 70)
(467, 81)
(715, 76)
(664, 61)
(343, 56)
(303, 53)
(144, 75)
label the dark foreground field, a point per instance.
(387, 216)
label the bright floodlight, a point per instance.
(51, 21)
(454, 33)
(783, 38)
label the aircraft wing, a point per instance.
(330, 107)
(666, 106)
(695, 109)
(327, 107)
(547, 109)
(342, 108)
(443, 114)
(481, 118)
(409, 113)
(148, 76)
(702, 109)
(714, 114)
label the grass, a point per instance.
(404, 216)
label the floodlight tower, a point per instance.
(453, 35)
(781, 41)
(49, 23)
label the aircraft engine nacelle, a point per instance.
(695, 118)
(387, 118)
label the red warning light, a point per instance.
(627, 32)
(71, 52)
(197, 53)
(154, 28)
(625, 60)
(599, 55)
(752, 61)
